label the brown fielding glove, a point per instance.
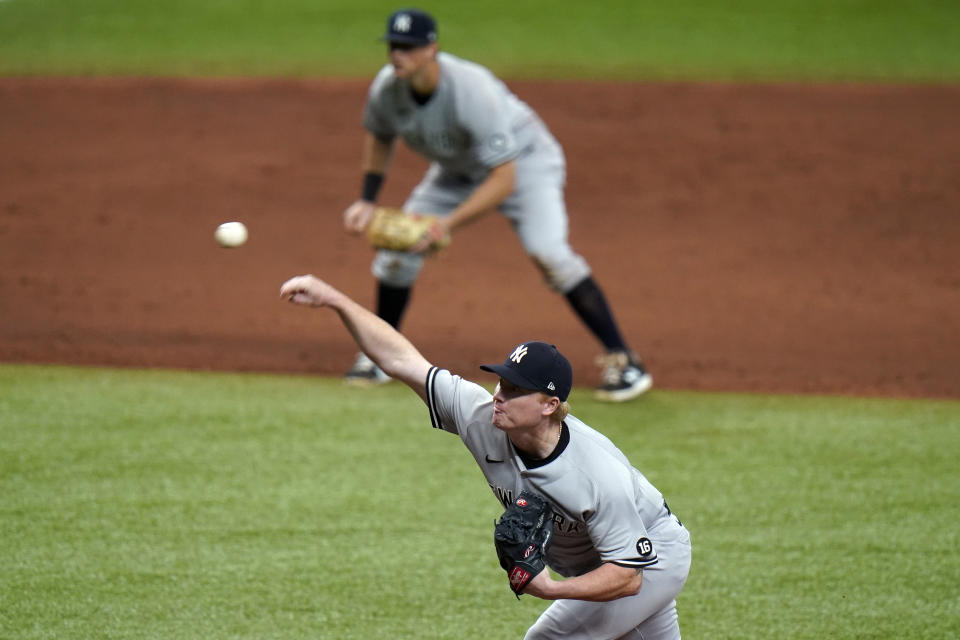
(522, 537)
(398, 230)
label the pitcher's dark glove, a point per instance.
(522, 537)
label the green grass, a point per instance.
(881, 40)
(170, 505)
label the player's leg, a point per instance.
(663, 625)
(624, 374)
(538, 213)
(621, 619)
(396, 271)
(651, 614)
(395, 275)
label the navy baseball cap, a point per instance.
(411, 26)
(537, 366)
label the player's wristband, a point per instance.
(371, 186)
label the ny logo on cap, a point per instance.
(518, 353)
(402, 23)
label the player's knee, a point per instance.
(396, 269)
(550, 625)
(564, 274)
(541, 630)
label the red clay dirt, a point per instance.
(775, 238)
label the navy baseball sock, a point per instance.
(392, 302)
(591, 305)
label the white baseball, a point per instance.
(231, 234)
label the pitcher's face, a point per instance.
(517, 408)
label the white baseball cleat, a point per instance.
(365, 373)
(624, 378)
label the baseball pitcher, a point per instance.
(573, 501)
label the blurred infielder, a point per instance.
(488, 150)
(623, 554)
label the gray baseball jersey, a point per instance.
(606, 510)
(472, 123)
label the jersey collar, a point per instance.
(532, 463)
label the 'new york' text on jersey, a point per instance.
(471, 123)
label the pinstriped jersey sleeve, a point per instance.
(455, 403)
(621, 535)
(433, 399)
(624, 502)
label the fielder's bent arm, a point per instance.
(385, 345)
(377, 153)
(488, 195)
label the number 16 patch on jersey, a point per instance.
(646, 555)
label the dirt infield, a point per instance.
(763, 238)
